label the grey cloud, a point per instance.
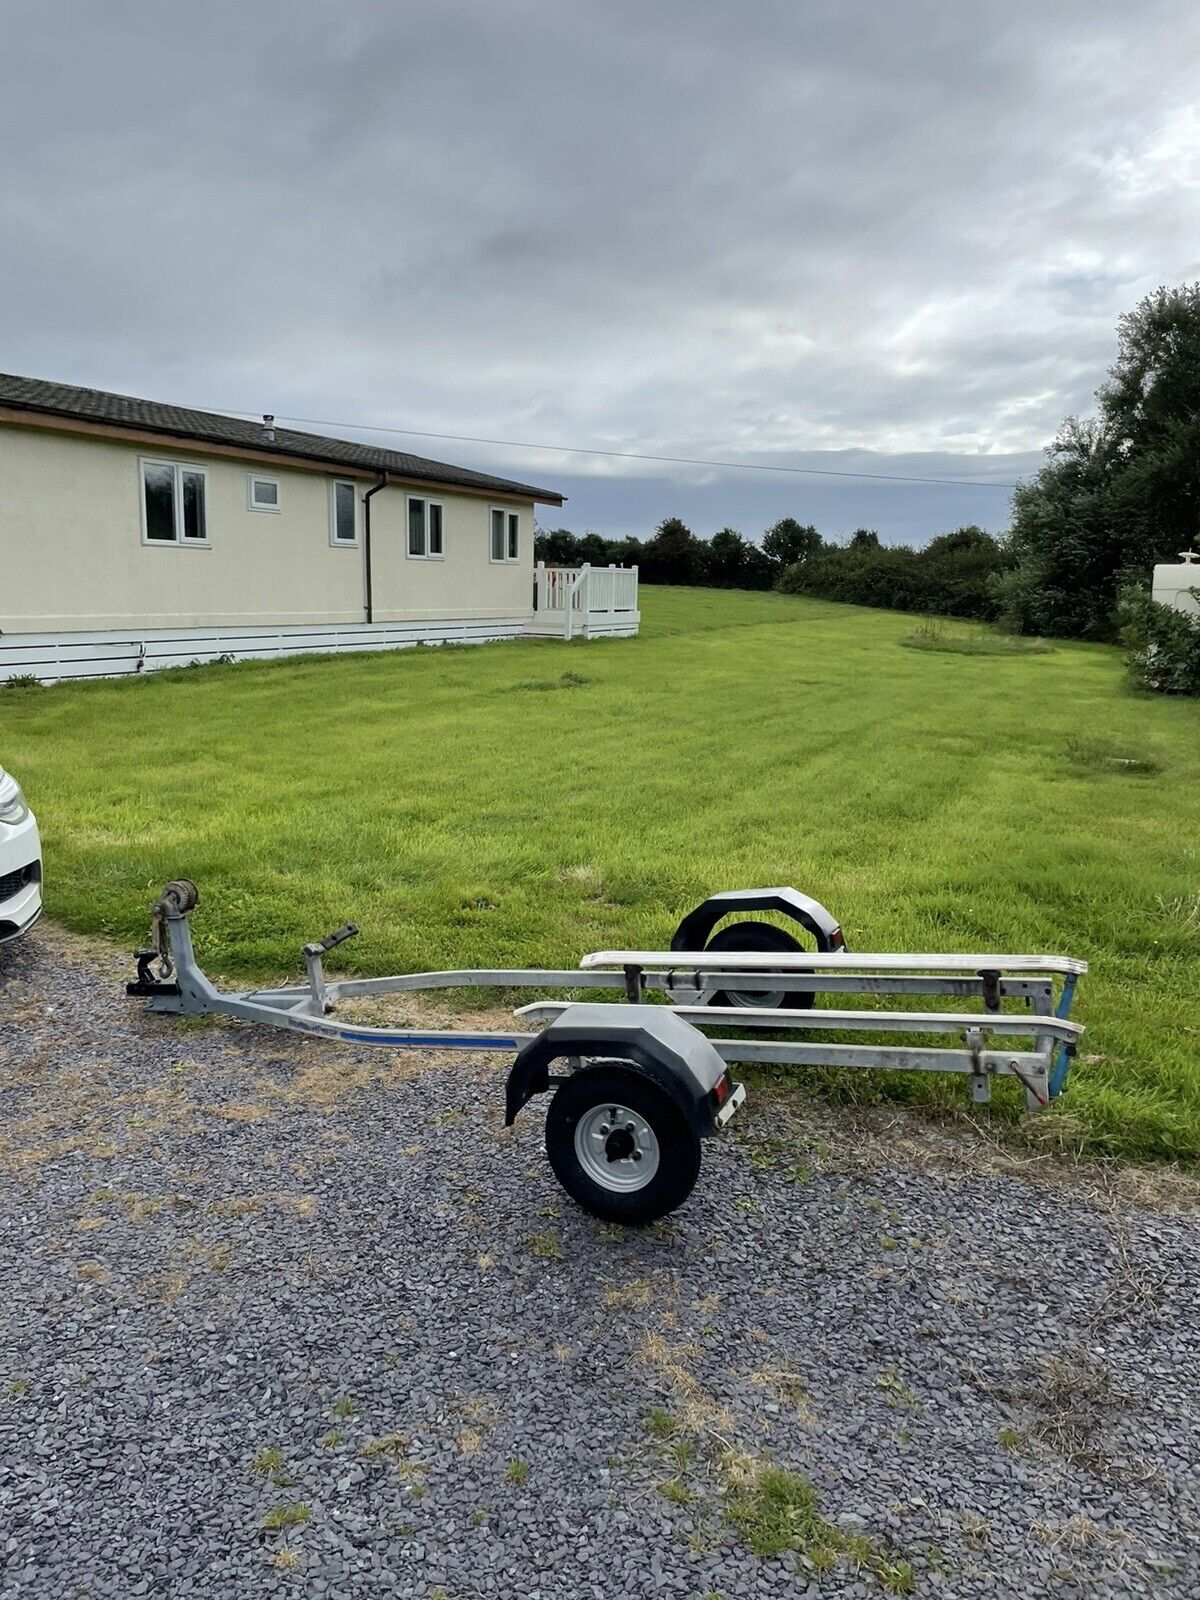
(689, 228)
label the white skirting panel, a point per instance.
(113, 654)
(584, 624)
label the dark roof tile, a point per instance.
(98, 405)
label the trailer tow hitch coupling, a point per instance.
(155, 968)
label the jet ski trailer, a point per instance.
(637, 1083)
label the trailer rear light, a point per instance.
(837, 940)
(721, 1090)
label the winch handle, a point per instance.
(318, 947)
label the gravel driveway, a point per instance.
(281, 1318)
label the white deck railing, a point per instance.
(584, 595)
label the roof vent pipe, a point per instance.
(268, 427)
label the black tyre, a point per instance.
(620, 1146)
(758, 936)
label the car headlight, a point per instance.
(13, 805)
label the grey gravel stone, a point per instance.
(219, 1241)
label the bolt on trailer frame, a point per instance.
(658, 1081)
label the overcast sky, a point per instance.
(861, 235)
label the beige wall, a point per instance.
(72, 555)
(465, 582)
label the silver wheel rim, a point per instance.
(616, 1147)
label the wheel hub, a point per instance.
(616, 1147)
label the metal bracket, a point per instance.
(981, 1088)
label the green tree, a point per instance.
(557, 547)
(595, 549)
(727, 559)
(1119, 492)
(674, 555)
(788, 541)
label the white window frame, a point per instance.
(505, 560)
(179, 542)
(424, 554)
(342, 544)
(252, 504)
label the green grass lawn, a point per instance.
(522, 803)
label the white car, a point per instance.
(20, 861)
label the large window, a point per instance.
(173, 503)
(424, 528)
(343, 512)
(506, 529)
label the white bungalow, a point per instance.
(136, 535)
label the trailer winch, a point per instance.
(638, 1082)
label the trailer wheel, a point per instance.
(620, 1146)
(758, 936)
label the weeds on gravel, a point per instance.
(289, 1516)
(480, 1416)
(784, 1383)
(897, 1390)
(1076, 1392)
(286, 1558)
(269, 1463)
(675, 1490)
(389, 1446)
(632, 1296)
(545, 1246)
(771, 1153)
(343, 1408)
(332, 1439)
(898, 1577)
(776, 1511)
(517, 1472)
(977, 1530)
(413, 1475)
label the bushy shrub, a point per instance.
(1163, 644)
(954, 575)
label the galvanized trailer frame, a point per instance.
(645, 1082)
(171, 979)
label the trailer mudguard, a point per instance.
(693, 932)
(671, 1053)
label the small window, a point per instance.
(173, 503)
(343, 515)
(506, 529)
(424, 528)
(262, 494)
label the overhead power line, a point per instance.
(626, 455)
